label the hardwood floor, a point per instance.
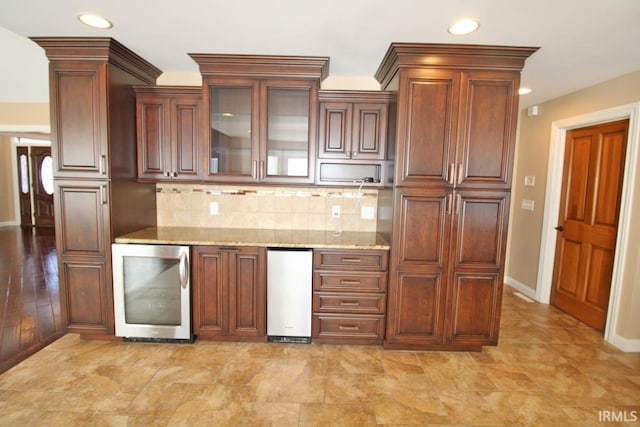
(30, 315)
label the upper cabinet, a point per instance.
(259, 117)
(355, 131)
(168, 132)
(457, 117)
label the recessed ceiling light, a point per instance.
(94, 21)
(463, 26)
(524, 90)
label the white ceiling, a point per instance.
(582, 42)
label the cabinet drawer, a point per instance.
(350, 260)
(348, 326)
(339, 281)
(336, 302)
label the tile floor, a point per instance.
(548, 370)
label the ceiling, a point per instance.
(582, 42)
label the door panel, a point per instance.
(153, 159)
(428, 129)
(248, 293)
(209, 309)
(588, 220)
(87, 285)
(24, 186)
(186, 134)
(42, 172)
(415, 309)
(487, 127)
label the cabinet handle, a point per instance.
(102, 164)
(348, 327)
(351, 260)
(349, 282)
(460, 173)
(448, 203)
(262, 169)
(458, 203)
(451, 173)
(103, 194)
(254, 170)
(175, 174)
(184, 271)
(350, 303)
(167, 174)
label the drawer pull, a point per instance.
(350, 303)
(352, 260)
(348, 327)
(349, 282)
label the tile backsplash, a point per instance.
(266, 207)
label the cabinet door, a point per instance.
(428, 127)
(288, 130)
(335, 130)
(185, 138)
(82, 218)
(87, 290)
(369, 131)
(154, 153)
(79, 146)
(232, 129)
(489, 108)
(209, 296)
(247, 292)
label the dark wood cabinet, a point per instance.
(229, 293)
(260, 117)
(168, 132)
(349, 296)
(457, 112)
(93, 134)
(354, 128)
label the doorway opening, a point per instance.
(33, 182)
(559, 131)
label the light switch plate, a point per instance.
(527, 205)
(529, 181)
(367, 212)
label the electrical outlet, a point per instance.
(213, 208)
(367, 212)
(335, 211)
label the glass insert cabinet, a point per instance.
(262, 114)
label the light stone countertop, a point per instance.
(256, 237)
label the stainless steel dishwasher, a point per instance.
(289, 283)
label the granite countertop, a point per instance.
(256, 237)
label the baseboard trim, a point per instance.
(8, 224)
(625, 344)
(520, 287)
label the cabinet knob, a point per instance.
(347, 153)
(355, 154)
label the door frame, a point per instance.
(23, 141)
(559, 130)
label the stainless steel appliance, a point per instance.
(151, 292)
(289, 282)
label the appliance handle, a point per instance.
(184, 270)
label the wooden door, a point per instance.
(588, 220)
(24, 186)
(426, 127)
(185, 136)
(42, 179)
(335, 130)
(209, 294)
(247, 292)
(153, 137)
(369, 131)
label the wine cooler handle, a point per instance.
(184, 270)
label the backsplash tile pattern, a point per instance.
(265, 207)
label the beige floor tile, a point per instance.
(336, 415)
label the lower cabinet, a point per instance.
(349, 296)
(229, 293)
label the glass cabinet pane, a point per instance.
(288, 132)
(230, 130)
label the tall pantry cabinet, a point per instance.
(97, 196)
(457, 112)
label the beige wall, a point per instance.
(24, 117)
(532, 158)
